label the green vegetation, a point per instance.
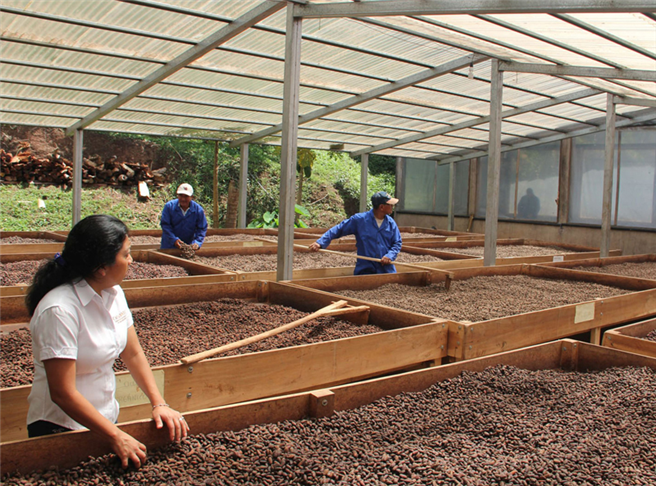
(330, 190)
(270, 219)
(21, 211)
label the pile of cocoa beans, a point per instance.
(503, 426)
(512, 251)
(302, 260)
(485, 297)
(21, 240)
(639, 270)
(22, 272)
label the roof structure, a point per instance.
(406, 78)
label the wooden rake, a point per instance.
(336, 308)
(448, 276)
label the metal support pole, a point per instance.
(608, 178)
(215, 187)
(289, 145)
(364, 173)
(78, 144)
(399, 183)
(493, 166)
(452, 195)
(243, 187)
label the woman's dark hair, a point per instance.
(92, 243)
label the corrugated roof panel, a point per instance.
(239, 87)
(583, 40)
(378, 39)
(525, 43)
(635, 28)
(373, 130)
(36, 120)
(452, 38)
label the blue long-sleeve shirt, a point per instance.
(176, 225)
(370, 241)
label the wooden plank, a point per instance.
(512, 332)
(616, 340)
(13, 414)
(638, 329)
(630, 283)
(182, 294)
(19, 257)
(601, 262)
(365, 282)
(41, 248)
(69, 449)
(192, 267)
(631, 338)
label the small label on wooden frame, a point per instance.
(129, 394)
(584, 312)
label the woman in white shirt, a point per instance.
(80, 324)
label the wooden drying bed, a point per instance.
(631, 338)
(412, 340)
(69, 449)
(469, 340)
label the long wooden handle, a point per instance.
(409, 265)
(194, 358)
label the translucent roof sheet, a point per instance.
(61, 60)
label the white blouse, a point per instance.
(73, 322)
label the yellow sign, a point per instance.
(252, 243)
(452, 238)
(129, 394)
(584, 312)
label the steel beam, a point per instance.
(289, 147)
(590, 72)
(468, 7)
(243, 187)
(78, 145)
(606, 210)
(364, 173)
(628, 100)
(493, 166)
(481, 120)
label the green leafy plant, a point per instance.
(270, 219)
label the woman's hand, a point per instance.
(178, 427)
(127, 448)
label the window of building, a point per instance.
(634, 179)
(426, 187)
(528, 184)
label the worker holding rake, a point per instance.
(376, 236)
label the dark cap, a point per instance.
(381, 197)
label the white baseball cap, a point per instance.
(185, 189)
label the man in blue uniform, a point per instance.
(376, 236)
(183, 221)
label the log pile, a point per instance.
(24, 166)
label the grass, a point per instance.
(20, 209)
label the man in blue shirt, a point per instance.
(376, 236)
(183, 221)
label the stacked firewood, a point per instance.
(24, 166)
